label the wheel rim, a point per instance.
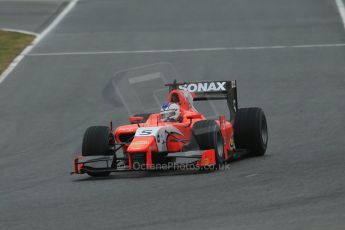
(264, 133)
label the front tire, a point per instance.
(207, 135)
(251, 131)
(97, 142)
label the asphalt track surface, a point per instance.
(48, 101)
(29, 15)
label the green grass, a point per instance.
(11, 44)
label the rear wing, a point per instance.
(211, 90)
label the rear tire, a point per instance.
(251, 131)
(97, 142)
(207, 135)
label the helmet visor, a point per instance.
(166, 115)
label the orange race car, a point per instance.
(178, 136)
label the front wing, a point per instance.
(177, 160)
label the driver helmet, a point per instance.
(170, 112)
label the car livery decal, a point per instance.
(160, 133)
(140, 143)
(216, 86)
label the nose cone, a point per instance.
(142, 144)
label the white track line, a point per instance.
(341, 8)
(19, 31)
(20, 57)
(189, 50)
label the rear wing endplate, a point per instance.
(211, 90)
